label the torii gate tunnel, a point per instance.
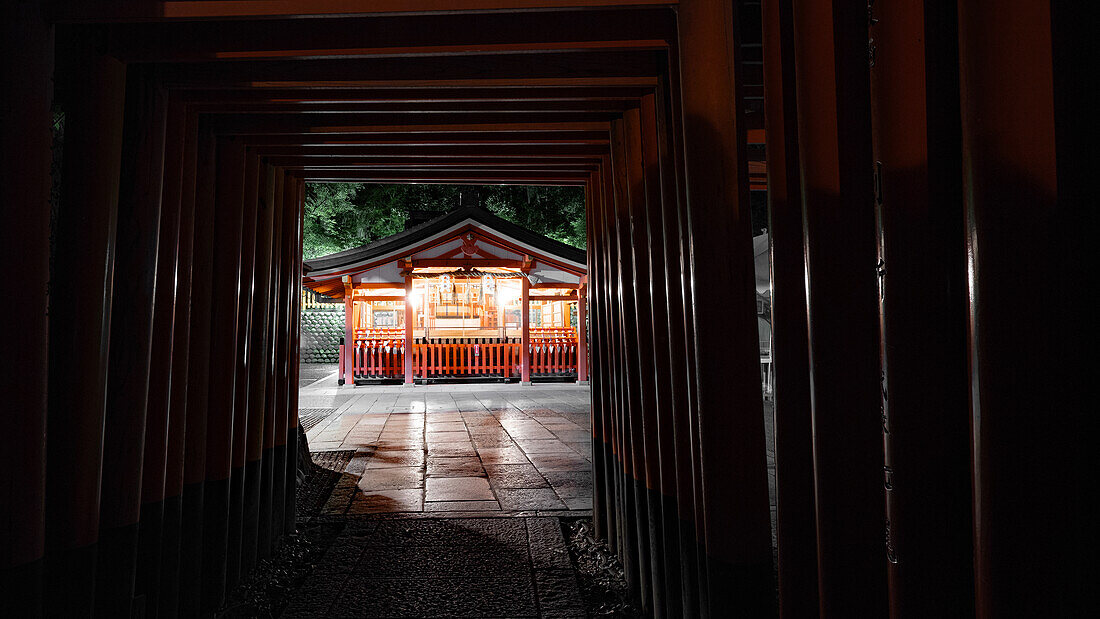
(926, 189)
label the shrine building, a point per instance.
(465, 296)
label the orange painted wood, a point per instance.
(408, 329)
(164, 10)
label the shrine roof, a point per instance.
(394, 245)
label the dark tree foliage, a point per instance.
(340, 216)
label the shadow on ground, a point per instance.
(351, 565)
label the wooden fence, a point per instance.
(374, 359)
(435, 360)
(553, 356)
(384, 358)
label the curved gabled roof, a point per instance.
(428, 229)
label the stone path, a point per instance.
(480, 567)
(449, 498)
(457, 448)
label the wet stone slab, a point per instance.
(516, 450)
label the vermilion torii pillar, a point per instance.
(834, 133)
(922, 296)
(26, 42)
(260, 359)
(1029, 198)
(91, 89)
(167, 599)
(794, 466)
(730, 414)
(158, 416)
(297, 199)
(244, 361)
(198, 377)
(226, 288)
(139, 209)
(266, 535)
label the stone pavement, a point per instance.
(455, 448)
(433, 567)
(447, 498)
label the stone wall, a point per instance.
(322, 329)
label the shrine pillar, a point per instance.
(410, 317)
(525, 332)
(582, 334)
(349, 333)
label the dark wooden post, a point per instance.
(26, 43)
(260, 358)
(681, 344)
(842, 301)
(668, 390)
(626, 530)
(731, 419)
(603, 514)
(794, 467)
(226, 287)
(158, 414)
(138, 236)
(198, 377)
(1029, 222)
(644, 192)
(91, 87)
(286, 355)
(266, 533)
(636, 543)
(922, 295)
(167, 604)
(298, 213)
(617, 537)
(244, 362)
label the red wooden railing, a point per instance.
(378, 359)
(553, 355)
(385, 358)
(434, 360)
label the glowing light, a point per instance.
(508, 295)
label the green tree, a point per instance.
(340, 216)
